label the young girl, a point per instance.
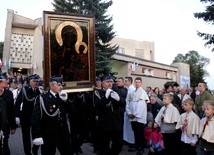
(155, 141)
(167, 118)
(189, 124)
(206, 130)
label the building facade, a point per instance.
(24, 52)
(23, 44)
(136, 58)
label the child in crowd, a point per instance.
(203, 107)
(206, 129)
(148, 132)
(155, 141)
(189, 124)
(167, 118)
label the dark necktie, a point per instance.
(57, 96)
(182, 96)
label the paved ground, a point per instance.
(16, 146)
(15, 143)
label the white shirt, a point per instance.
(186, 96)
(15, 94)
(188, 139)
(131, 88)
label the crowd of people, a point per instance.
(165, 121)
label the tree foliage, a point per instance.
(197, 65)
(103, 27)
(208, 17)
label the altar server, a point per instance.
(136, 108)
(189, 124)
(167, 118)
(206, 130)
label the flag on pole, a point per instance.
(133, 66)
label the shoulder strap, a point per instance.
(24, 94)
(42, 107)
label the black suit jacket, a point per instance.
(26, 96)
(45, 124)
(7, 112)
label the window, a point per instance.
(120, 50)
(151, 73)
(145, 71)
(168, 75)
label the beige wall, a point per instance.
(119, 67)
(22, 30)
(184, 70)
(123, 70)
(130, 46)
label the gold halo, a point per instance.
(58, 34)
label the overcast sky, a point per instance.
(170, 24)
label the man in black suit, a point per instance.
(24, 105)
(122, 92)
(49, 120)
(108, 116)
(7, 115)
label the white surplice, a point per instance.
(193, 123)
(191, 132)
(137, 105)
(128, 134)
(171, 115)
(208, 133)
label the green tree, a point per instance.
(103, 27)
(208, 17)
(1, 49)
(197, 65)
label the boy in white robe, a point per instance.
(207, 129)
(136, 109)
(189, 124)
(167, 118)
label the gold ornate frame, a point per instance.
(69, 50)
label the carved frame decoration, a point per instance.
(69, 50)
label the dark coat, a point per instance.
(7, 113)
(122, 92)
(46, 126)
(26, 96)
(108, 111)
(155, 108)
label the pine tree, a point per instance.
(103, 27)
(207, 16)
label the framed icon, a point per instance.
(69, 50)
